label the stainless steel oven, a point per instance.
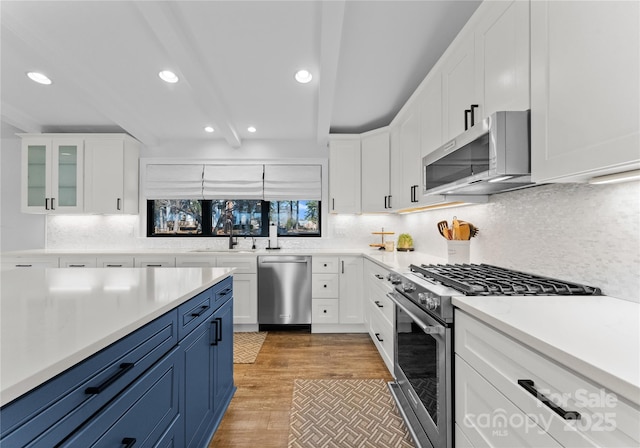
(422, 369)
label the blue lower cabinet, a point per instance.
(208, 364)
(140, 416)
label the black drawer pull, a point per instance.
(380, 277)
(224, 292)
(124, 368)
(77, 265)
(529, 386)
(24, 265)
(114, 265)
(128, 442)
(215, 337)
(324, 286)
(379, 338)
(377, 302)
(203, 308)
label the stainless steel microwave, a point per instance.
(491, 157)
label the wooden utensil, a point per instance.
(443, 228)
(456, 229)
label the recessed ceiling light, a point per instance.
(208, 129)
(303, 76)
(168, 76)
(39, 78)
(251, 129)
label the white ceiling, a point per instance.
(235, 60)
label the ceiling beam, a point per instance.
(167, 24)
(330, 41)
(78, 80)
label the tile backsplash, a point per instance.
(576, 232)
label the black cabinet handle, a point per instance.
(224, 292)
(324, 286)
(414, 193)
(118, 202)
(466, 118)
(113, 266)
(203, 308)
(219, 329)
(24, 265)
(124, 368)
(473, 108)
(385, 202)
(53, 207)
(342, 262)
(333, 204)
(390, 201)
(378, 337)
(380, 277)
(128, 442)
(215, 338)
(529, 386)
(377, 302)
(46, 203)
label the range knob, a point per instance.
(428, 300)
(394, 279)
(408, 287)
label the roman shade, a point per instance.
(173, 181)
(232, 182)
(292, 182)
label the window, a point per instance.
(242, 217)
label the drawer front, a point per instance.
(154, 262)
(243, 265)
(222, 292)
(195, 311)
(191, 261)
(115, 262)
(141, 414)
(382, 303)
(52, 411)
(325, 311)
(325, 286)
(488, 418)
(381, 333)
(605, 420)
(39, 262)
(324, 265)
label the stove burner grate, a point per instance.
(485, 279)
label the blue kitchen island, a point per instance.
(115, 357)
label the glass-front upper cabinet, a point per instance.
(52, 175)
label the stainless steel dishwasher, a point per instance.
(284, 291)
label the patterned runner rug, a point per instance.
(246, 346)
(345, 414)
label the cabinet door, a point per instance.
(411, 155)
(223, 359)
(52, 175)
(344, 176)
(245, 298)
(431, 115)
(351, 290)
(502, 56)
(458, 87)
(105, 176)
(375, 172)
(585, 119)
(198, 357)
(67, 174)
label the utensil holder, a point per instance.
(458, 251)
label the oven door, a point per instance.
(423, 369)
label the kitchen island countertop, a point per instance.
(55, 318)
(596, 336)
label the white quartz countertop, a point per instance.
(54, 318)
(596, 336)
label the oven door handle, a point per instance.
(429, 329)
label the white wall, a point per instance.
(18, 231)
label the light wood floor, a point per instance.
(258, 415)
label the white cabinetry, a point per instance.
(585, 115)
(30, 262)
(111, 174)
(336, 291)
(52, 174)
(379, 310)
(245, 288)
(411, 157)
(114, 261)
(430, 99)
(78, 261)
(376, 181)
(509, 395)
(344, 174)
(154, 261)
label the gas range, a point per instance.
(432, 286)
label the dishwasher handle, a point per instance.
(280, 259)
